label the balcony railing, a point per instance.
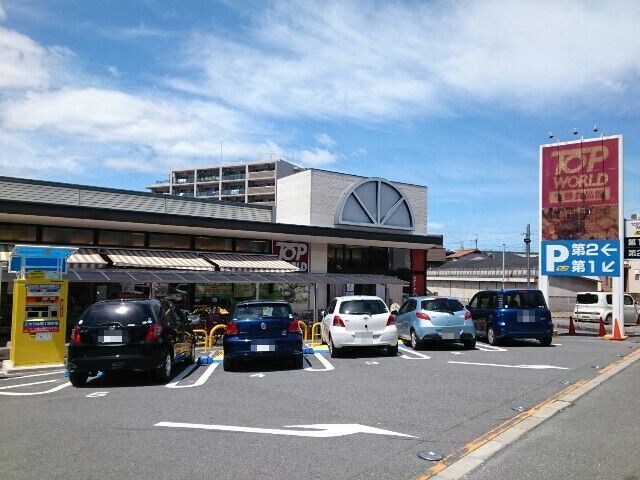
(233, 176)
(233, 191)
(208, 193)
(262, 190)
(262, 174)
(208, 178)
(184, 180)
(186, 193)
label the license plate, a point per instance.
(263, 347)
(448, 336)
(110, 336)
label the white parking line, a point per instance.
(324, 361)
(531, 367)
(24, 394)
(27, 384)
(485, 347)
(420, 356)
(203, 378)
(34, 375)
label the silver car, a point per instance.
(435, 319)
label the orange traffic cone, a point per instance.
(602, 332)
(572, 327)
(616, 331)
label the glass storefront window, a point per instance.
(117, 238)
(67, 236)
(18, 233)
(253, 246)
(214, 244)
(167, 240)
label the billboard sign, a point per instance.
(632, 239)
(580, 207)
(296, 253)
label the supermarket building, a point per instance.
(326, 234)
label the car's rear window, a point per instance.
(123, 313)
(362, 307)
(524, 299)
(442, 305)
(262, 310)
(586, 298)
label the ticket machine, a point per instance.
(39, 305)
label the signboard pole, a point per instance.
(543, 280)
(617, 284)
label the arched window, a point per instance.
(374, 202)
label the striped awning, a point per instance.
(86, 258)
(158, 259)
(250, 263)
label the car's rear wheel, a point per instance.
(415, 341)
(163, 372)
(638, 320)
(607, 320)
(545, 341)
(335, 352)
(469, 344)
(491, 336)
(78, 379)
(392, 350)
(228, 364)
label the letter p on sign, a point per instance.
(555, 254)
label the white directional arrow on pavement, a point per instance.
(608, 267)
(322, 430)
(608, 248)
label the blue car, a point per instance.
(262, 329)
(423, 320)
(515, 313)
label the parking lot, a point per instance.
(362, 416)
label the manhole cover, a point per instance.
(430, 456)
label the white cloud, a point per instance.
(315, 158)
(372, 61)
(325, 140)
(435, 226)
(22, 62)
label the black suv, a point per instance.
(129, 335)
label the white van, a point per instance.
(590, 306)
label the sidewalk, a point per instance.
(596, 438)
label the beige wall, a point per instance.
(293, 201)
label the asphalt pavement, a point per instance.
(596, 438)
(359, 417)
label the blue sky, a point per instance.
(456, 96)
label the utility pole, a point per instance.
(527, 242)
(503, 250)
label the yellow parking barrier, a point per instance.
(199, 332)
(316, 327)
(212, 334)
(303, 327)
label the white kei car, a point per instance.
(359, 321)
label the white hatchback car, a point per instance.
(591, 306)
(359, 321)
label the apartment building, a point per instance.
(239, 182)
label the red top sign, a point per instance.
(580, 174)
(296, 253)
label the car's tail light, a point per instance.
(467, 315)
(423, 316)
(232, 329)
(294, 326)
(391, 320)
(337, 321)
(153, 332)
(76, 337)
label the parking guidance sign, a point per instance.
(599, 258)
(580, 207)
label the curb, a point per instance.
(477, 451)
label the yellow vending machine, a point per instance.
(39, 306)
